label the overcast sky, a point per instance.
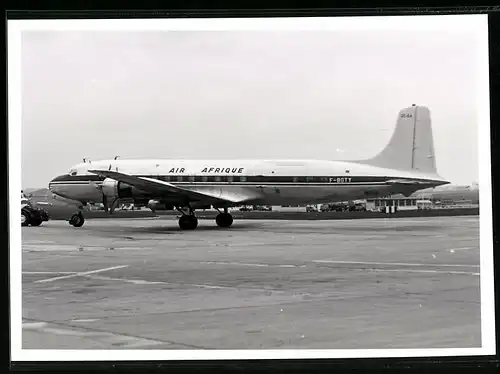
(241, 94)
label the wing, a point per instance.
(157, 187)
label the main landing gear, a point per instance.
(224, 220)
(187, 221)
(190, 222)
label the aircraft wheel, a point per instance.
(224, 220)
(188, 222)
(25, 219)
(77, 220)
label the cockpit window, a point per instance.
(72, 172)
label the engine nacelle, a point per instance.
(113, 189)
(166, 205)
(158, 205)
(200, 206)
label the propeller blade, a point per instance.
(114, 204)
(105, 203)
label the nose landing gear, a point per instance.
(77, 220)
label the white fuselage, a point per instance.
(272, 182)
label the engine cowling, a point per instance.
(158, 205)
(110, 188)
(113, 189)
(169, 205)
(201, 206)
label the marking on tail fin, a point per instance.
(414, 136)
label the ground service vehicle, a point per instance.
(31, 216)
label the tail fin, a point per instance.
(411, 146)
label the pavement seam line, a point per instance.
(90, 329)
(80, 274)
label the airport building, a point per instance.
(397, 203)
(289, 208)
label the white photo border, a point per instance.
(478, 23)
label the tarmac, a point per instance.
(359, 284)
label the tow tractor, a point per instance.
(31, 216)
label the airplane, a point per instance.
(405, 165)
(451, 193)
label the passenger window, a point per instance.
(217, 179)
(204, 178)
(229, 178)
(179, 178)
(243, 179)
(191, 178)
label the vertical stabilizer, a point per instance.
(411, 147)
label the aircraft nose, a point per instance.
(54, 183)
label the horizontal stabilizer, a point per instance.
(406, 181)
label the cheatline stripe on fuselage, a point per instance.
(239, 184)
(241, 180)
